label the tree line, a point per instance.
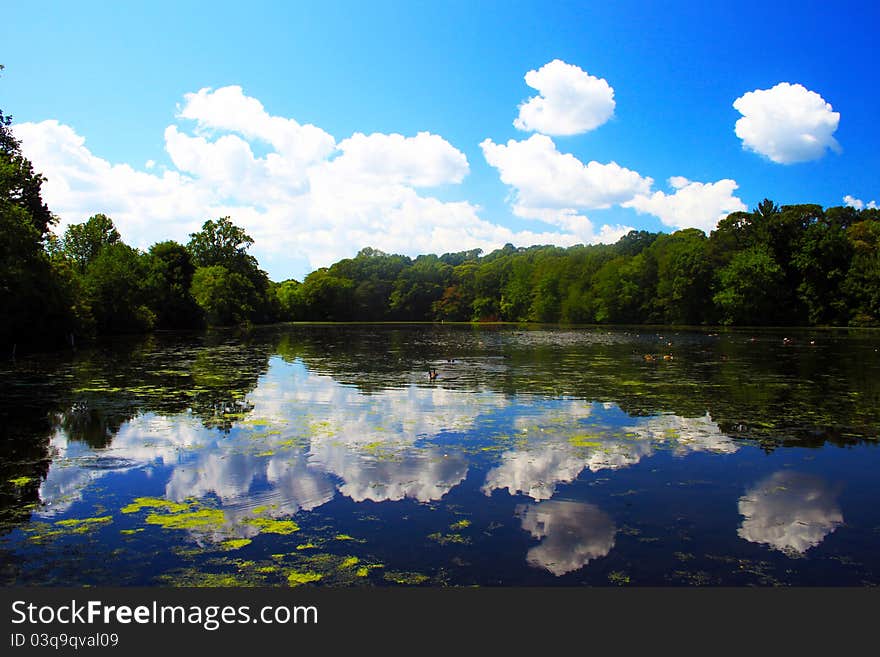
(789, 265)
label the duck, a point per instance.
(432, 374)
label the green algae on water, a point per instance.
(446, 539)
(407, 578)
(296, 578)
(195, 578)
(584, 441)
(618, 577)
(200, 519)
(271, 526)
(83, 525)
(141, 503)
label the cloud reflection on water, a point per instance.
(308, 438)
(557, 452)
(572, 534)
(789, 511)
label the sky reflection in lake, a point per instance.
(484, 478)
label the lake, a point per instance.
(325, 455)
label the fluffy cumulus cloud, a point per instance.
(571, 101)
(79, 184)
(788, 123)
(425, 160)
(692, 204)
(302, 194)
(229, 109)
(542, 177)
(554, 187)
(859, 204)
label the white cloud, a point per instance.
(553, 187)
(542, 177)
(228, 165)
(310, 198)
(571, 101)
(228, 109)
(425, 160)
(858, 203)
(787, 123)
(148, 207)
(692, 205)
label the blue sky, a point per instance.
(163, 115)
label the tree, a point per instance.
(516, 294)
(684, 277)
(456, 304)
(290, 301)
(418, 287)
(82, 242)
(221, 243)
(34, 302)
(225, 296)
(19, 184)
(24, 269)
(488, 281)
(170, 272)
(822, 259)
(327, 297)
(635, 241)
(861, 286)
(749, 288)
(114, 283)
(623, 288)
(373, 274)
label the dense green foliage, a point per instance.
(36, 291)
(794, 265)
(790, 265)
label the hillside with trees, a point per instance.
(789, 265)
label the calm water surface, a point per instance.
(325, 456)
